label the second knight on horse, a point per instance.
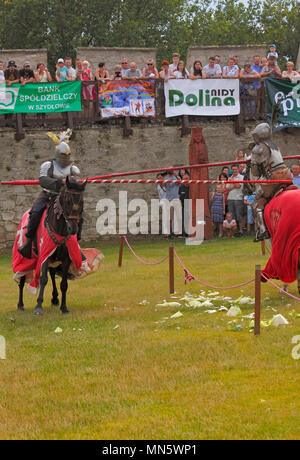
(266, 163)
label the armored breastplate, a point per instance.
(276, 159)
(58, 172)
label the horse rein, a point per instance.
(58, 211)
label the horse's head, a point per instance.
(70, 204)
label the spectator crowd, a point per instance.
(251, 75)
(230, 210)
(259, 68)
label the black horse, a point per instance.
(63, 216)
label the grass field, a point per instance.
(123, 369)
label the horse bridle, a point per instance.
(58, 210)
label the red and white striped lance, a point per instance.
(145, 171)
(186, 181)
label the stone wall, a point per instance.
(114, 56)
(244, 52)
(102, 150)
(34, 56)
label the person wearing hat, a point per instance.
(165, 73)
(62, 72)
(26, 74)
(273, 53)
(11, 74)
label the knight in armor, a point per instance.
(52, 179)
(266, 163)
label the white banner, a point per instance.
(202, 97)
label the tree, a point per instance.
(168, 25)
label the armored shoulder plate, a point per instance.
(271, 144)
(258, 150)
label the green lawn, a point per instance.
(125, 370)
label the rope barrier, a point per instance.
(189, 277)
(279, 288)
(138, 258)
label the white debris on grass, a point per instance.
(178, 314)
(58, 330)
(144, 302)
(116, 326)
(278, 320)
(168, 304)
(250, 316)
(193, 303)
(245, 300)
(207, 303)
(234, 311)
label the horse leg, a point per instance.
(64, 286)
(54, 300)
(44, 280)
(21, 287)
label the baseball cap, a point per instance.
(60, 60)
(11, 63)
(165, 62)
(274, 46)
(26, 63)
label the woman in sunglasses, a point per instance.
(150, 71)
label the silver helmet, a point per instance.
(261, 132)
(63, 154)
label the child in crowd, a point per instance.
(273, 52)
(62, 72)
(229, 225)
(217, 200)
(86, 75)
(248, 200)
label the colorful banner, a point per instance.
(41, 98)
(283, 103)
(212, 97)
(120, 98)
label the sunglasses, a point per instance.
(124, 62)
(150, 63)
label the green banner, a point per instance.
(283, 103)
(41, 98)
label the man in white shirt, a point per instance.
(236, 197)
(212, 70)
(175, 59)
(71, 70)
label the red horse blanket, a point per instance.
(282, 216)
(46, 247)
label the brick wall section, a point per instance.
(34, 56)
(114, 56)
(103, 151)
